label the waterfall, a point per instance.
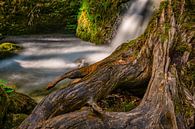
(134, 22)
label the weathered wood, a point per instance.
(155, 57)
(92, 87)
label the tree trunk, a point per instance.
(162, 60)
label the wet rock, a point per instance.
(81, 62)
(8, 49)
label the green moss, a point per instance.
(8, 46)
(182, 47)
(187, 77)
(119, 102)
(163, 37)
(8, 49)
(96, 20)
(193, 72)
(14, 120)
(164, 4)
(127, 106)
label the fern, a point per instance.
(4, 85)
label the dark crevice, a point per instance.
(124, 98)
(137, 89)
(120, 100)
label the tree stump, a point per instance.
(162, 59)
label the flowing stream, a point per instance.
(134, 22)
(48, 56)
(44, 58)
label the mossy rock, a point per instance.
(8, 49)
(20, 103)
(8, 46)
(14, 120)
(4, 102)
(14, 108)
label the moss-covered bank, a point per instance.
(92, 20)
(38, 16)
(97, 19)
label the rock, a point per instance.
(4, 101)
(14, 108)
(20, 103)
(14, 120)
(81, 62)
(8, 49)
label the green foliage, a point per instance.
(43, 16)
(6, 87)
(127, 106)
(96, 19)
(37, 16)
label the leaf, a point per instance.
(3, 81)
(6, 88)
(9, 90)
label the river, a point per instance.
(44, 58)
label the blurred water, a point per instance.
(46, 57)
(134, 22)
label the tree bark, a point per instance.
(162, 56)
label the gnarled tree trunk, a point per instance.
(161, 60)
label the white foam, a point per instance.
(133, 23)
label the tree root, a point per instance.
(75, 106)
(95, 85)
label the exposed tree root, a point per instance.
(76, 106)
(91, 88)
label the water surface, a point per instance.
(44, 58)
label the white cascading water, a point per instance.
(133, 23)
(48, 56)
